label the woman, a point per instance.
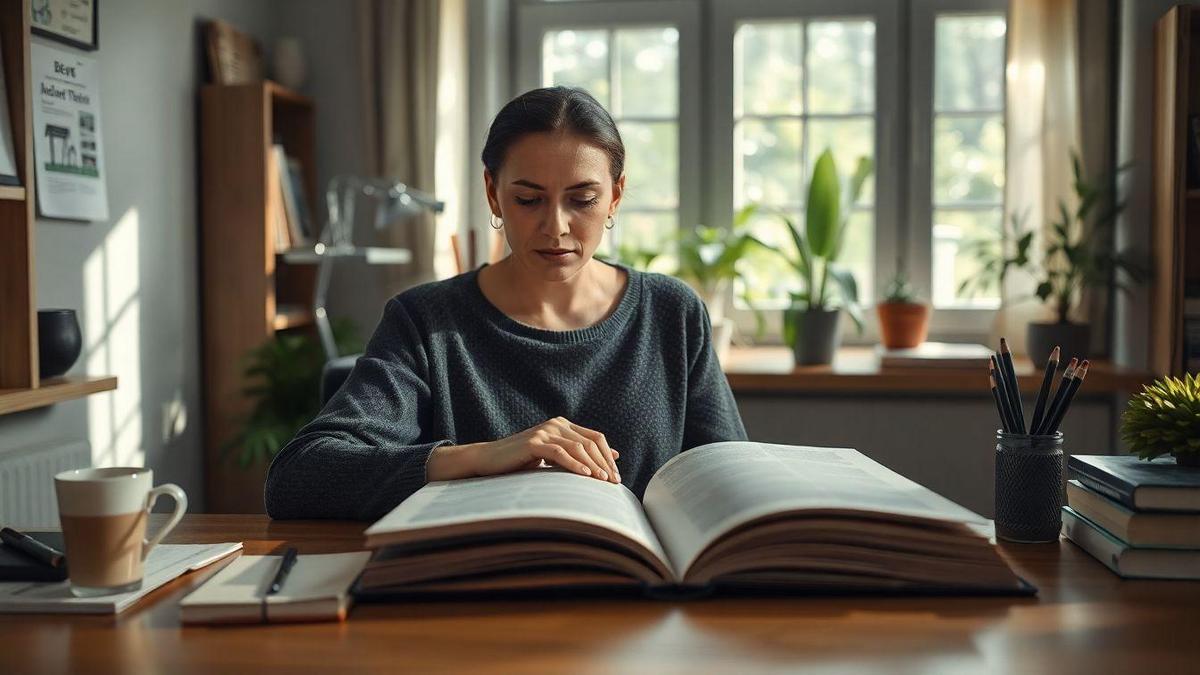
(547, 356)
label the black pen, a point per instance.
(285, 566)
(32, 547)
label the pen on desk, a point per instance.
(285, 566)
(32, 547)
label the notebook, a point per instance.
(935, 355)
(315, 590)
(165, 562)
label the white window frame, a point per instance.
(904, 48)
(534, 20)
(965, 323)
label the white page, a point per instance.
(313, 577)
(541, 493)
(704, 492)
(165, 562)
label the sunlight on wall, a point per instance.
(450, 177)
(112, 315)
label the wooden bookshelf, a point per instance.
(1176, 200)
(20, 386)
(249, 291)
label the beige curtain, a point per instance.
(1042, 127)
(398, 54)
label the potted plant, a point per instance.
(1164, 419)
(1075, 257)
(903, 319)
(810, 325)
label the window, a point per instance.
(735, 109)
(634, 73)
(801, 87)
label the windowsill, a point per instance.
(857, 370)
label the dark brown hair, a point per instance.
(568, 109)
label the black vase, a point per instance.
(816, 337)
(1074, 338)
(59, 341)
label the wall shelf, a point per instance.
(14, 193)
(53, 390)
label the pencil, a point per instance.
(1014, 391)
(1075, 385)
(996, 396)
(1039, 409)
(1010, 421)
(1063, 385)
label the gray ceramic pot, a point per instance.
(1074, 338)
(816, 337)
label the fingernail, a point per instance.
(603, 474)
(587, 471)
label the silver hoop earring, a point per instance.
(497, 220)
(612, 222)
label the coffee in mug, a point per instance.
(103, 514)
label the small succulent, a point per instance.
(1164, 418)
(900, 290)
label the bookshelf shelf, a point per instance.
(21, 388)
(290, 317)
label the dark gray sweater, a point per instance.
(446, 366)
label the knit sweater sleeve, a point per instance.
(712, 413)
(365, 452)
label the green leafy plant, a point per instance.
(283, 380)
(827, 285)
(632, 255)
(900, 290)
(709, 256)
(1164, 418)
(1075, 257)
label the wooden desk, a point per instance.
(1085, 620)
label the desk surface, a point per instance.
(856, 370)
(1085, 620)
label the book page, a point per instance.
(702, 493)
(540, 493)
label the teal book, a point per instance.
(1125, 560)
(1157, 485)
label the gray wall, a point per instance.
(133, 278)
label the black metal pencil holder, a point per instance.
(1029, 487)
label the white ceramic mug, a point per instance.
(103, 514)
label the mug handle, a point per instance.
(152, 496)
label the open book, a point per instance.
(730, 514)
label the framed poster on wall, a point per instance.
(74, 22)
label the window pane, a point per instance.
(651, 163)
(968, 159)
(858, 252)
(767, 276)
(647, 231)
(647, 72)
(956, 233)
(841, 66)
(969, 63)
(767, 69)
(767, 153)
(577, 58)
(849, 139)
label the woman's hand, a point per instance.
(558, 441)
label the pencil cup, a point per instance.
(1029, 487)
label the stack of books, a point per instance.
(1141, 519)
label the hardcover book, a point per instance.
(1125, 560)
(1137, 528)
(1158, 485)
(725, 515)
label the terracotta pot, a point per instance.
(902, 325)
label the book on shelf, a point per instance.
(1156, 485)
(731, 515)
(935, 355)
(287, 199)
(8, 155)
(1127, 561)
(296, 195)
(316, 589)
(1142, 529)
(277, 204)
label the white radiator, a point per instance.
(27, 482)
